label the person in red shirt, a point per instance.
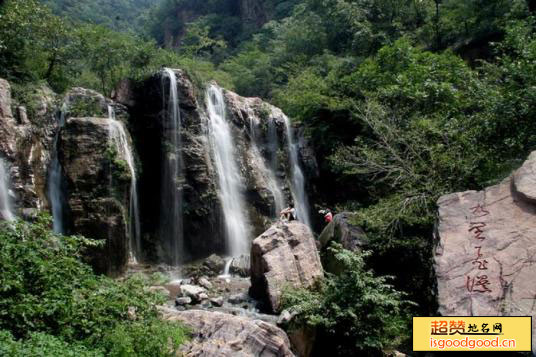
(328, 217)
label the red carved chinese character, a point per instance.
(479, 211)
(482, 264)
(475, 228)
(480, 286)
(478, 254)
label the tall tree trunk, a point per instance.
(51, 65)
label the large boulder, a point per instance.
(486, 243)
(343, 231)
(284, 255)
(220, 334)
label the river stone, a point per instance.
(192, 291)
(240, 265)
(220, 334)
(181, 301)
(284, 255)
(218, 301)
(204, 282)
(486, 243)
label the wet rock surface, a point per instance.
(483, 260)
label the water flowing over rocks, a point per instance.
(220, 334)
(284, 255)
(203, 218)
(98, 179)
(59, 156)
(484, 257)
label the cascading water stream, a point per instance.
(301, 203)
(6, 210)
(171, 224)
(268, 173)
(118, 137)
(229, 179)
(56, 189)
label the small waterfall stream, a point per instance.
(301, 203)
(6, 209)
(171, 224)
(56, 185)
(118, 137)
(229, 179)
(268, 173)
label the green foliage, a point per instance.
(118, 15)
(50, 299)
(357, 311)
(41, 344)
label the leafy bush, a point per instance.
(355, 310)
(49, 298)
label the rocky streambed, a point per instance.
(219, 308)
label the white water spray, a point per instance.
(301, 203)
(171, 225)
(56, 190)
(6, 210)
(230, 181)
(118, 137)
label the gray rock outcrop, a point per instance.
(220, 334)
(486, 242)
(284, 255)
(26, 135)
(340, 230)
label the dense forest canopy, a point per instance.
(404, 101)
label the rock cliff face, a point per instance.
(25, 144)
(258, 131)
(72, 134)
(97, 181)
(486, 243)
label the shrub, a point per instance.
(50, 298)
(354, 311)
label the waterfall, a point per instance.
(268, 173)
(299, 196)
(56, 184)
(118, 138)
(229, 179)
(6, 210)
(171, 229)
